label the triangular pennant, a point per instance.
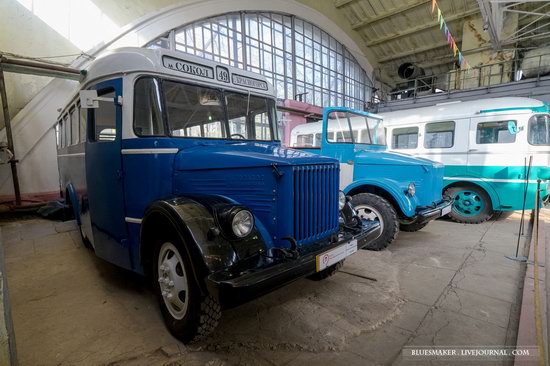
(433, 6)
(441, 21)
(449, 39)
(446, 29)
(438, 14)
(455, 49)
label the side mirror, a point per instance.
(89, 99)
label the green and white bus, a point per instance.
(494, 151)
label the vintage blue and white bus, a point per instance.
(399, 191)
(173, 168)
(486, 146)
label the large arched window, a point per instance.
(302, 61)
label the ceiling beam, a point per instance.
(422, 27)
(340, 3)
(365, 22)
(492, 22)
(417, 51)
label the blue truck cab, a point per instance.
(397, 190)
(173, 168)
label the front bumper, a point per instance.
(236, 288)
(432, 213)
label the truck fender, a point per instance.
(407, 205)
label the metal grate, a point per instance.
(315, 202)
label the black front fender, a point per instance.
(192, 222)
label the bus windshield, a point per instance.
(539, 130)
(349, 127)
(200, 112)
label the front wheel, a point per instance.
(472, 205)
(372, 207)
(189, 315)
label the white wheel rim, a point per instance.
(173, 280)
(367, 212)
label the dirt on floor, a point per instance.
(449, 284)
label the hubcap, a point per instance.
(367, 212)
(172, 280)
(468, 203)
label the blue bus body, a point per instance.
(146, 169)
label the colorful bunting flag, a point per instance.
(450, 39)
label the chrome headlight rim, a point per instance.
(341, 200)
(411, 189)
(242, 223)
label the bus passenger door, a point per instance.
(105, 175)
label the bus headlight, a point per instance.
(242, 223)
(411, 189)
(341, 200)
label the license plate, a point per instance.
(446, 210)
(335, 255)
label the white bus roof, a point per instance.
(316, 127)
(181, 65)
(456, 110)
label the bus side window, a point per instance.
(405, 138)
(304, 140)
(104, 118)
(317, 141)
(495, 132)
(74, 126)
(66, 131)
(148, 119)
(539, 130)
(83, 117)
(58, 134)
(439, 135)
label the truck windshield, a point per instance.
(353, 128)
(201, 112)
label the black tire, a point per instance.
(326, 273)
(412, 227)
(476, 217)
(203, 311)
(388, 219)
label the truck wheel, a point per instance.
(327, 272)
(472, 205)
(372, 207)
(412, 227)
(188, 315)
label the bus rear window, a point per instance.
(501, 132)
(539, 130)
(405, 138)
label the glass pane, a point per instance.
(339, 126)
(501, 132)
(194, 111)
(74, 126)
(304, 141)
(66, 131)
(539, 130)
(250, 117)
(405, 138)
(83, 118)
(148, 119)
(439, 135)
(105, 118)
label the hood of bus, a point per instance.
(234, 155)
(403, 169)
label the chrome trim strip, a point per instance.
(149, 151)
(132, 220)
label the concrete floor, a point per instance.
(448, 284)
